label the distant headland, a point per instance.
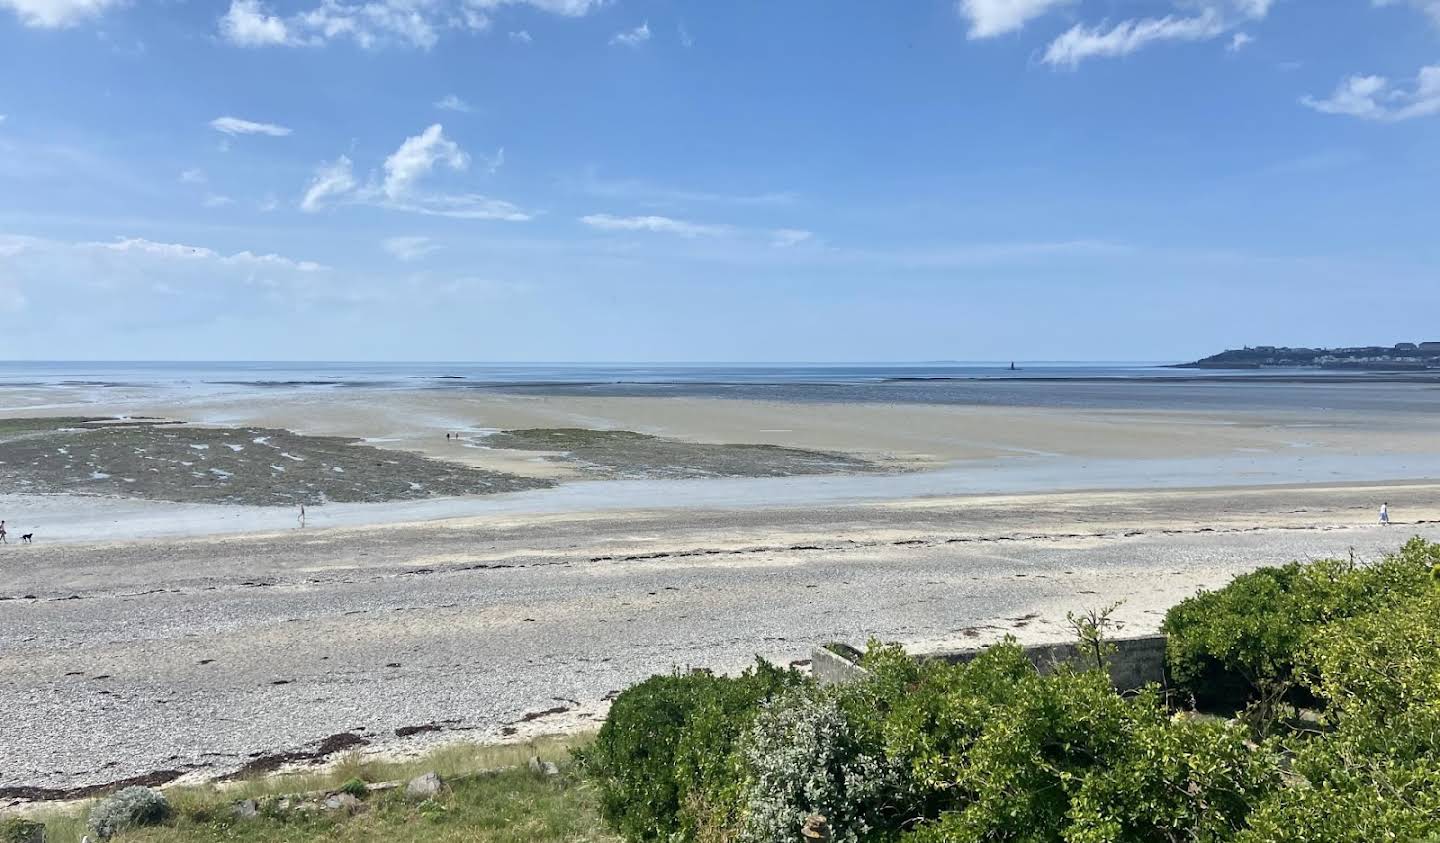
(1403, 356)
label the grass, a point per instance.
(492, 797)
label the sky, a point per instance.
(661, 180)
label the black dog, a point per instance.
(27, 538)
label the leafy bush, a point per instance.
(356, 787)
(803, 757)
(663, 760)
(1183, 779)
(1245, 640)
(18, 830)
(130, 808)
(1032, 754)
(1377, 775)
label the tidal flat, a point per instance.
(624, 454)
(249, 466)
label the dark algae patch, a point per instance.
(626, 454)
(254, 466)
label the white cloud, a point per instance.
(684, 34)
(463, 206)
(607, 222)
(1374, 98)
(408, 248)
(236, 126)
(450, 102)
(521, 37)
(989, 18)
(397, 186)
(784, 237)
(268, 204)
(247, 24)
(564, 8)
(1256, 9)
(2, 118)
(331, 181)
(1081, 42)
(194, 175)
(1238, 41)
(1430, 8)
(54, 14)
(632, 37)
(371, 24)
(417, 156)
(182, 252)
(216, 200)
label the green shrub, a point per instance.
(804, 756)
(1183, 779)
(132, 807)
(1244, 641)
(355, 787)
(1032, 755)
(663, 760)
(18, 830)
(1352, 800)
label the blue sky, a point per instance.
(653, 180)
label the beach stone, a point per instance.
(543, 768)
(344, 802)
(425, 786)
(245, 809)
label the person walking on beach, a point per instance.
(302, 515)
(1385, 514)
(2, 533)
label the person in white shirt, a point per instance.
(1385, 514)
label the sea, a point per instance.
(1075, 384)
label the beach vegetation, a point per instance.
(995, 750)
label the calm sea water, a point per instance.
(1089, 384)
(573, 374)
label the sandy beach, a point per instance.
(192, 636)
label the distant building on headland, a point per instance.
(1403, 356)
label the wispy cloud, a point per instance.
(331, 181)
(194, 175)
(182, 252)
(666, 225)
(1082, 42)
(521, 36)
(647, 193)
(216, 200)
(236, 126)
(632, 37)
(56, 14)
(1430, 8)
(370, 24)
(397, 185)
(1375, 98)
(1239, 41)
(408, 248)
(989, 18)
(683, 33)
(450, 102)
(785, 237)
